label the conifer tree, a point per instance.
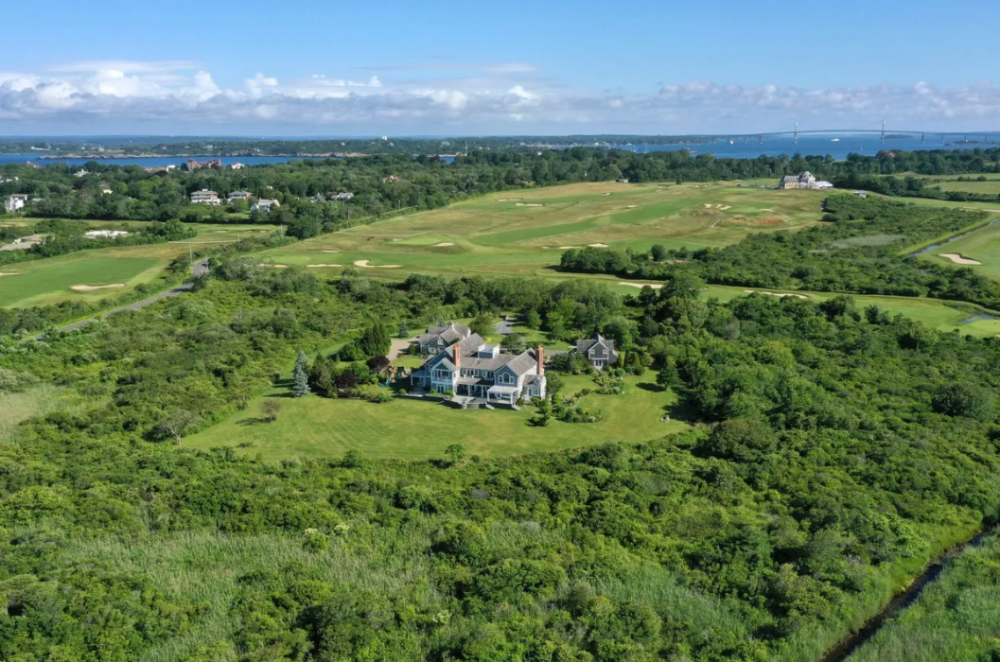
(300, 377)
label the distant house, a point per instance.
(473, 368)
(106, 190)
(438, 338)
(237, 166)
(205, 197)
(319, 197)
(391, 179)
(105, 234)
(805, 180)
(239, 195)
(344, 197)
(193, 165)
(622, 180)
(861, 194)
(599, 351)
(80, 173)
(264, 205)
(13, 204)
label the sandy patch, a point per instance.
(331, 251)
(631, 206)
(598, 245)
(91, 288)
(777, 294)
(642, 285)
(443, 244)
(958, 259)
(367, 265)
(566, 248)
(770, 210)
(275, 266)
(9, 273)
(507, 199)
(322, 266)
(529, 204)
(708, 206)
(724, 208)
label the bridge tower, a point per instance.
(923, 138)
(760, 139)
(795, 139)
(881, 140)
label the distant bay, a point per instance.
(149, 161)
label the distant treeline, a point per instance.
(382, 184)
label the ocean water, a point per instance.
(838, 146)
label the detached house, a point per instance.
(264, 205)
(205, 197)
(599, 351)
(439, 338)
(476, 369)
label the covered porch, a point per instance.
(505, 394)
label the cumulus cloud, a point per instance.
(183, 93)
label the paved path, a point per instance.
(506, 327)
(200, 269)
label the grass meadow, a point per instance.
(525, 232)
(47, 281)
(37, 401)
(956, 618)
(411, 429)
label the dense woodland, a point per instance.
(835, 450)
(861, 247)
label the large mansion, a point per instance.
(471, 367)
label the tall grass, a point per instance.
(957, 618)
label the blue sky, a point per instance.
(433, 68)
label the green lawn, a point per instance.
(45, 281)
(525, 232)
(982, 245)
(415, 429)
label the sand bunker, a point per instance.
(331, 251)
(529, 204)
(91, 288)
(366, 264)
(507, 199)
(958, 259)
(9, 273)
(642, 285)
(321, 266)
(275, 266)
(443, 244)
(708, 206)
(566, 248)
(631, 206)
(777, 294)
(724, 208)
(598, 245)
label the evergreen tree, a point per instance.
(375, 341)
(300, 377)
(404, 329)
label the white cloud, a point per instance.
(183, 94)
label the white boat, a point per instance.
(835, 140)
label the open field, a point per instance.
(37, 401)
(50, 280)
(414, 429)
(982, 245)
(525, 232)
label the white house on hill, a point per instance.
(474, 368)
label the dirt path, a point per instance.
(399, 346)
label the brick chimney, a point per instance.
(541, 360)
(458, 356)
